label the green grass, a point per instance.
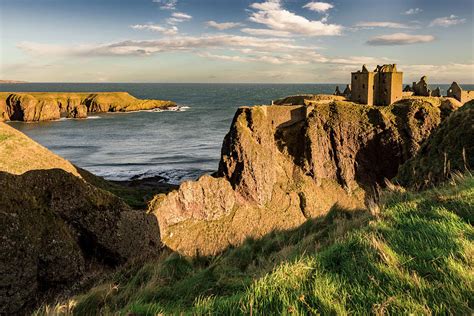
(415, 255)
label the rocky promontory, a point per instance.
(46, 106)
(283, 164)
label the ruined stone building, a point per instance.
(420, 88)
(463, 96)
(383, 86)
(346, 93)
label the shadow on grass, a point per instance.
(416, 257)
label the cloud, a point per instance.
(222, 26)
(399, 39)
(167, 4)
(272, 15)
(178, 17)
(172, 30)
(224, 47)
(413, 11)
(148, 47)
(393, 25)
(447, 21)
(268, 58)
(318, 6)
(266, 32)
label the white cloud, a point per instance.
(174, 43)
(318, 6)
(413, 11)
(268, 58)
(167, 4)
(222, 26)
(271, 14)
(181, 15)
(393, 25)
(447, 21)
(399, 39)
(172, 30)
(266, 32)
(178, 17)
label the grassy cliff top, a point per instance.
(19, 154)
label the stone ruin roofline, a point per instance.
(379, 68)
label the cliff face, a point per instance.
(39, 106)
(283, 164)
(450, 148)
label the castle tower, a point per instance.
(388, 85)
(362, 86)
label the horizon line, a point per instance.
(217, 83)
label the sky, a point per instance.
(241, 41)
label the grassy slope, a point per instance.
(415, 255)
(18, 154)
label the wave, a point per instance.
(175, 176)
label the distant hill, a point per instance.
(12, 81)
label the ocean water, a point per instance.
(178, 145)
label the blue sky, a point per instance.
(233, 41)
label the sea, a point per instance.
(180, 144)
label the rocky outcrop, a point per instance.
(283, 164)
(450, 148)
(446, 104)
(39, 106)
(55, 229)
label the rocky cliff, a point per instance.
(44, 106)
(281, 165)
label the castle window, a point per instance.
(363, 86)
(355, 77)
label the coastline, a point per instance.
(48, 106)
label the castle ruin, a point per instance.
(463, 96)
(382, 87)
